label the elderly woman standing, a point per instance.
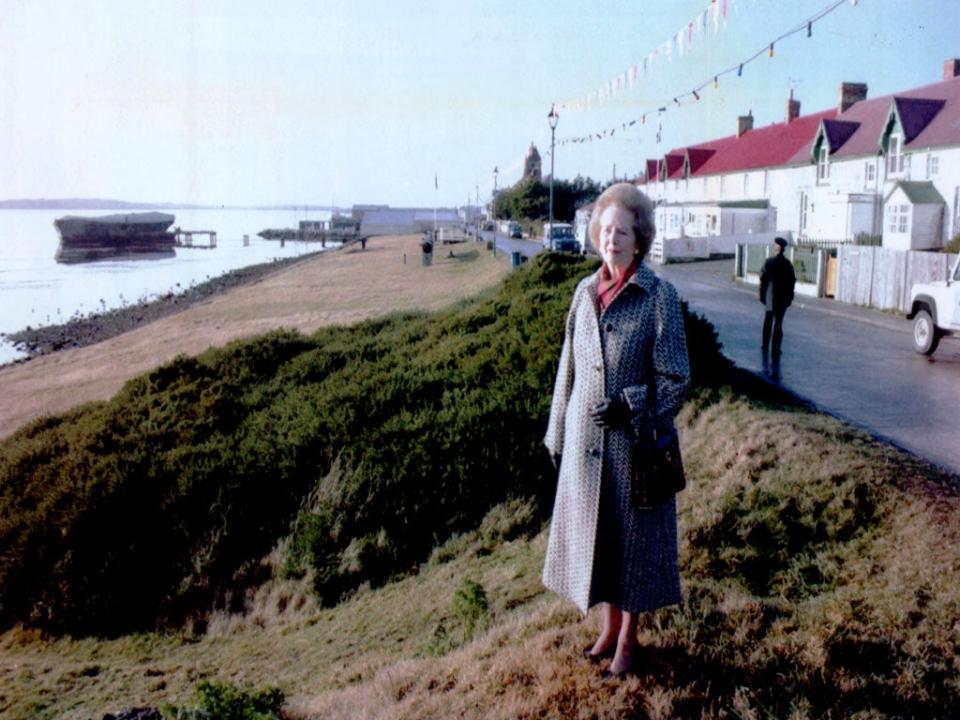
(623, 371)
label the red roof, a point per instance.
(761, 147)
(930, 117)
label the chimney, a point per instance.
(951, 68)
(744, 123)
(793, 108)
(851, 93)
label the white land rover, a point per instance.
(935, 310)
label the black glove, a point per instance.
(555, 458)
(610, 412)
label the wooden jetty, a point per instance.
(184, 238)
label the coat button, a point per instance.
(594, 452)
(598, 367)
(608, 327)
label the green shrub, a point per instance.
(225, 701)
(471, 607)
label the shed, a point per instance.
(913, 216)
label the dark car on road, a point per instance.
(559, 237)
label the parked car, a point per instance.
(515, 230)
(935, 310)
(559, 237)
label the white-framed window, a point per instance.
(895, 155)
(869, 174)
(933, 165)
(713, 224)
(722, 178)
(804, 209)
(823, 164)
(746, 184)
(898, 218)
(766, 180)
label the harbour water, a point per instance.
(35, 290)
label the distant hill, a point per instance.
(108, 204)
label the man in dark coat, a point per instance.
(776, 293)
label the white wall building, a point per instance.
(888, 166)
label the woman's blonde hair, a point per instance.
(626, 197)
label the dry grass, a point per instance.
(339, 288)
(858, 619)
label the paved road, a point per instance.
(854, 363)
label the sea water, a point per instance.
(35, 290)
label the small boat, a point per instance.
(83, 239)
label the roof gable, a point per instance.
(915, 114)
(838, 132)
(697, 156)
(673, 164)
(653, 170)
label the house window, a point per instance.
(804, 208)
(869, 174)
(898, 218)
(895, 155)
(713, 223)
(956, 210)
(933, 165)
(823, 164)
(746, 184)
(722, 177)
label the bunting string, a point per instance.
(692, 33)
(713, 81)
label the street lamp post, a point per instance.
(552, 119)
(493, 210)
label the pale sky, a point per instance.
(246, 102)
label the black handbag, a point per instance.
(656, 468)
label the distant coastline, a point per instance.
(111, 204)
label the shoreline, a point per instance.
(99, 326)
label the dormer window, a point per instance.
(895, 155)
(823, 164)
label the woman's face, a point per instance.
(618, 244)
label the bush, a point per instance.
(225, 701)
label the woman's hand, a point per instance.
(610, 412)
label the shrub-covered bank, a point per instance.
(374, 442)
(819, 573)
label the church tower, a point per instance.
(531, 164)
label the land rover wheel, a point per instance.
(926, 335)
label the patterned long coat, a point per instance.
(601, 548)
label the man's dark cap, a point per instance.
(780, 241)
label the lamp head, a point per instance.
(552, 118)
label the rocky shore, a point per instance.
(95, 327)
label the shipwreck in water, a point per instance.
(84, 239)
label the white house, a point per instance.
(887, 166)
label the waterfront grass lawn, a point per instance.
(340, 288)
(820, 581)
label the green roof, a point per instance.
(756, 204)
(918, 193)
